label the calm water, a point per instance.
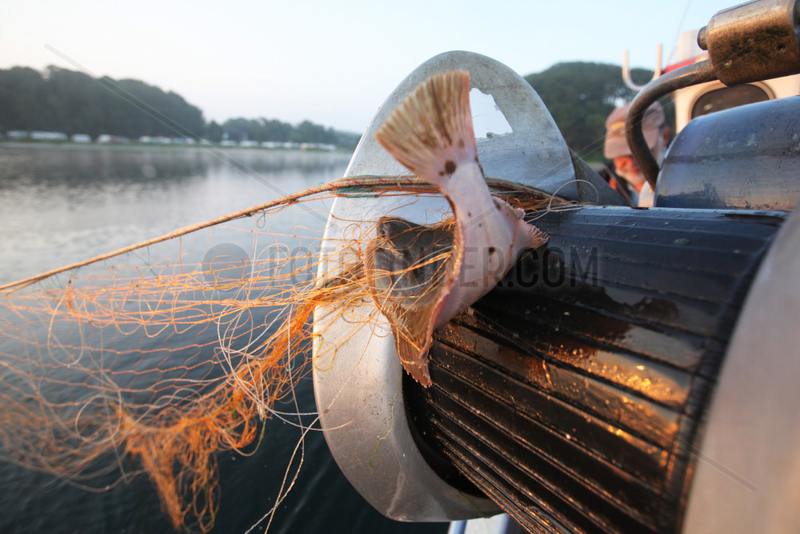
(61, 204)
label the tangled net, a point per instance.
(163, 354)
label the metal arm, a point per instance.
(683, 77)
(753, 41)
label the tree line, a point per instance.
(260, 130)
(71, 102)
(579, 95)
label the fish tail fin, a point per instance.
(431, 131)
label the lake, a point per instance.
(64, 203)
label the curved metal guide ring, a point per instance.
(359, 394)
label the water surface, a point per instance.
(62, 204)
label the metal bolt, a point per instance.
(701, 38)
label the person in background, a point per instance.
(626, 176)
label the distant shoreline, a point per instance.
(30, 143)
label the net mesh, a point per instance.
(155, 358)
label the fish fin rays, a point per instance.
(535, 237)
(412, 349)
(431, 131)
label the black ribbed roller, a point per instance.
(573, 393)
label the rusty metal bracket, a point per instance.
(754, 41)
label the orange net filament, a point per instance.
(160, 356)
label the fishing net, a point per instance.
(155, 358)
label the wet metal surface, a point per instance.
(572, 393)
(742, 158)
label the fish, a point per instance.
(421, 277)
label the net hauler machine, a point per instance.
(638, 373)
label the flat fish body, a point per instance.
(431, 134)
(406, 272)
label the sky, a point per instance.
(333, 63)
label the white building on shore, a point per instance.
(49, 136)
